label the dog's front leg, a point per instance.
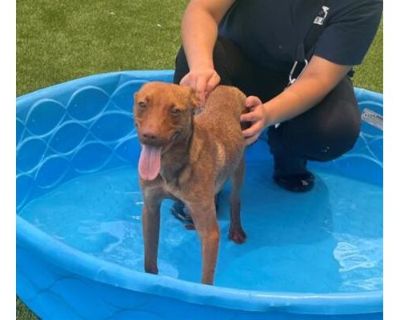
(205, 221)
(151, 231)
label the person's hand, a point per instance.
(202, 81)
(258, 117)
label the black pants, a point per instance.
(322, 133)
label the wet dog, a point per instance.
(189, 157)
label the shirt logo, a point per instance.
(320, 18)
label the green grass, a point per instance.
(62, 40)
(23, 313)
(369, 75)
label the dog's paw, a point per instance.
(151, 269)
(237, 235)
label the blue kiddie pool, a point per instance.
(79, 243)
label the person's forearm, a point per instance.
(199, 33)
(306, 92)
(295, 100)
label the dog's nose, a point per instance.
(150, 137)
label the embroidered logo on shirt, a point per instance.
(320, 18)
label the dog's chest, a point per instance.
(172, 190)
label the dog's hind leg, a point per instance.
(236, 232)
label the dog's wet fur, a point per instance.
(189, 157)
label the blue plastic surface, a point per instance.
(79, 244)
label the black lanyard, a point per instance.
(305, 50)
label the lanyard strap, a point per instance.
(306, 48)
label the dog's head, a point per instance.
(163, 112)
(163, 115)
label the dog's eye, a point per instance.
(175, 110)
(142, 105)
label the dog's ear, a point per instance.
(136, 96)
(194, 102)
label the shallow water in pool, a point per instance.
(326, 240)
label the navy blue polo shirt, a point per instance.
(270, 32)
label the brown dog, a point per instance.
(189, 158)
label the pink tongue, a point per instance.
(149, 162)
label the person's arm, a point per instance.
(317, 80)
(199, 34)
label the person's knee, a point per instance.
(181, 66)
(336, 136)
(225, 58)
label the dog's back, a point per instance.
(222, 110)
(219, 126)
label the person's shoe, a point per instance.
(301, 182)
(180, 212)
